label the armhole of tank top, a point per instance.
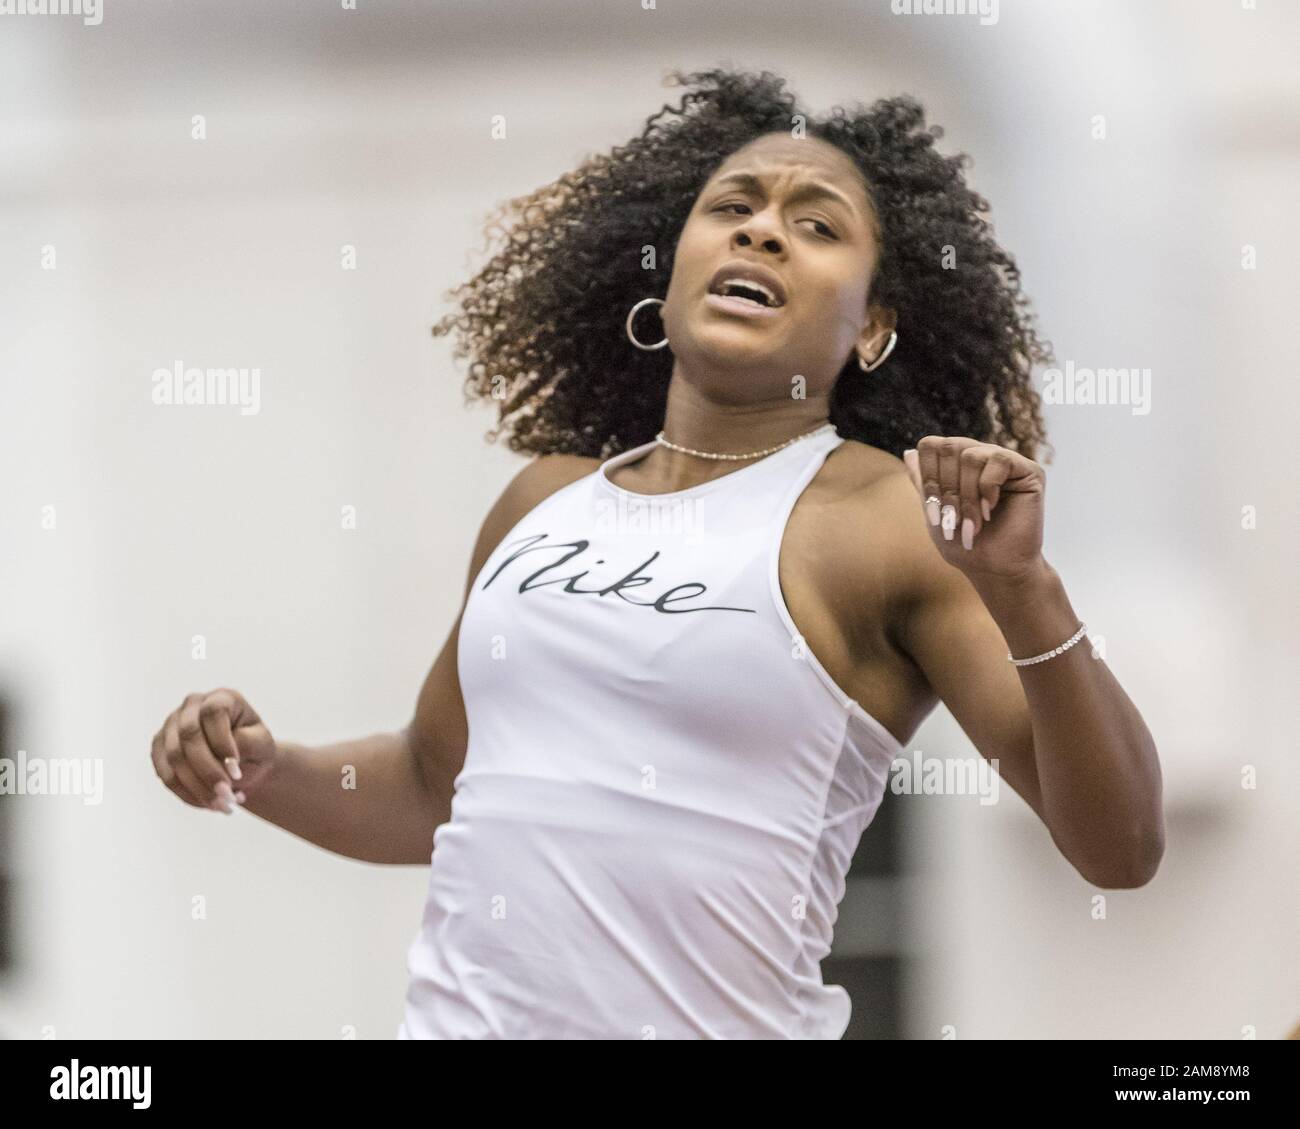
(780, 522)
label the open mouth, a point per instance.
(745, 305)
(749, 290)
(746, 289)
(753, 293)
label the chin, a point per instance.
(738, 343)
(737, 376)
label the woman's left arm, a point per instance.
(1094, 768)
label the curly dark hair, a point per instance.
(543, 321)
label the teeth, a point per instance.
(749, 282)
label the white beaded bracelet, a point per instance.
(1070, 642)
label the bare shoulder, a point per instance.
(853, 466)
(545, 474)
(871, 523)
(869, 487)
(532, 484)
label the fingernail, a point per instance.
(988, 513)
(932, 510)
(967, 533)
(225, 796)
(240, 797)
(909, 451)
(232, 767)
(949, 521)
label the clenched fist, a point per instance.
(984, 504)
(212, 750)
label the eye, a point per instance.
(828, 233)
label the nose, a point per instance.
(761, 230)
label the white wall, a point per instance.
(371, 128)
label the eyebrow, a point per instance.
(815, 188)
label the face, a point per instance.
(797, 212)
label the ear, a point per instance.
(875, 333)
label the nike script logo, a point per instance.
(675, 595)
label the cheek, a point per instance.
(692, 254)
(693, 260)
(834, 311)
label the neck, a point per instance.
(696, 420)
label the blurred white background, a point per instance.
(372, 128)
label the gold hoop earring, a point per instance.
(880, 360)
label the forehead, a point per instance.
(794, 160)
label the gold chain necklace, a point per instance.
(752, 455)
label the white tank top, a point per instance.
(663, 787)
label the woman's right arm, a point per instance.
(378, 798)
(365, 799)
